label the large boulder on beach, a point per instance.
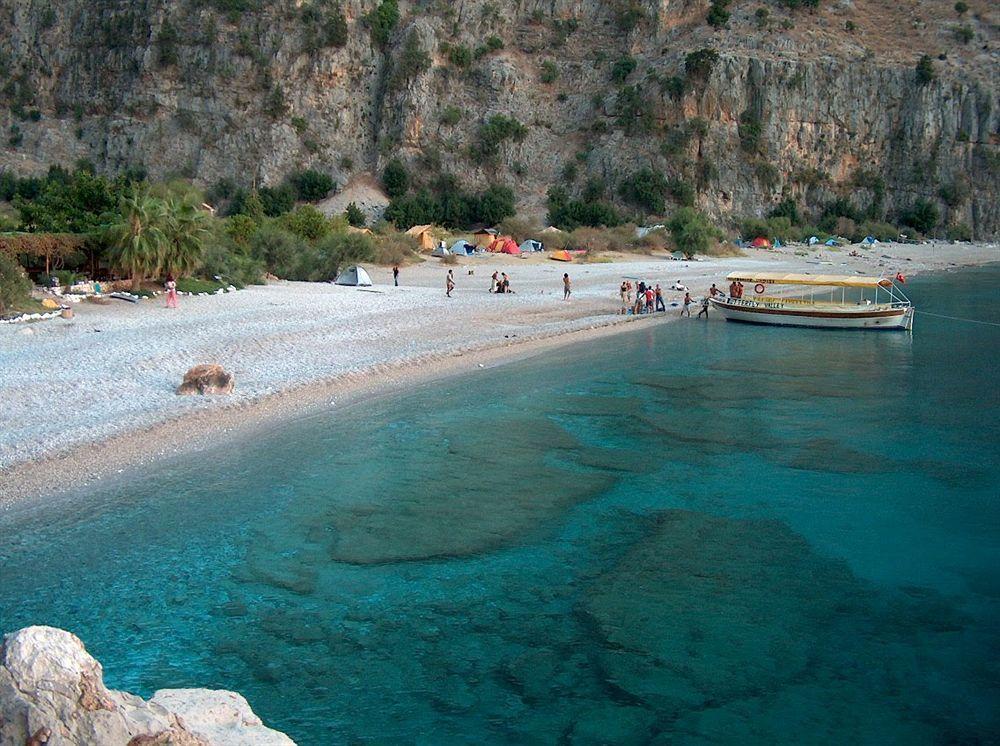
(207, 379)
(52, 692)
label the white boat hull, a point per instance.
(777, 313)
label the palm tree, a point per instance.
(186, 228)
(137, 238)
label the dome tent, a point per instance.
(505, 245)
(440, 251)
(760, 243)
(529, 244)
(355, 277)
(461, 247)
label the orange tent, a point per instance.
(760, 243)
(505, 245)
(561, 256)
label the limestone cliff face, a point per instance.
(253, 89)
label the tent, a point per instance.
(760, 243)
(423, 235)
(870, 241)
(777, 243)
(461, 247)
(813, 240)
(440, 251)
(832, 242)
(354, 276)
(561, 256)
(550, 229)
(530, 244)
(505, 245)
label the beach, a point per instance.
(91, 396)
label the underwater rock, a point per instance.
(48, 682)
(207, 379)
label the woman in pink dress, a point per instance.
(171, 292)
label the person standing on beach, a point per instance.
(395, 275)
(171, 286)
(449, 284)
(659, 299)
(567, 291)
(687, 305)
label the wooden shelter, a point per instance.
(423, 235)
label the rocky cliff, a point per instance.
(805, 103)
(52, 692)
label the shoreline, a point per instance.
(83, 465)
(296, 348)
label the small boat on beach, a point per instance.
(872, 303)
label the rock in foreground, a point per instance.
(53, 690)
(207, 379)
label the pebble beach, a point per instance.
(107, 377)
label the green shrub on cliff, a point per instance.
(698, 66)
(495, 131)
(718, 16)
(923, 216)
(395, 178)
(925, 70)
(382, 21)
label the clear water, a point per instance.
(691, 533)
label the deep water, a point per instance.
(696, 532)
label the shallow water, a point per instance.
(696, 533)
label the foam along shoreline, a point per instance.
(86, 398)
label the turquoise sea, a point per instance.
(691, 533)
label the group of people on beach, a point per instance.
(500, 283)
(648, 299)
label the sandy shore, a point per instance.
(84, 398)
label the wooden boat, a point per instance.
(821, 309)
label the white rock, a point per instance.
(219, 716)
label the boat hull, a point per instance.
(750, 311)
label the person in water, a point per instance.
(704, 308)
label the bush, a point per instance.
(305, 222)
(335, 252)
(925, 70)
(274, 104)
(549, 72)
(278, 250)
(632, 112)
(955, 192)
(355, 216)
(278, 200)
(460, 55)
(198, 285)
(167, 40)
(646, 189)
(961, 7)
(698, 65)
(750, 130)
(959, 232)
(450, 116)
(494, 43)
(382, 21)
(923, 215)
(718, 16)
(964, 34)
(622, 68)
(15, 287)
(395, 178)
(692, 232)
(311, 185)
(568, 214)
(493, 133)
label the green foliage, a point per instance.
(961, 7)
(675, 141)
(15, 287)
(494, 43)
(278, 250)
(232, 263)
(718, 16)
(959, 232)
(16, 137)
(622, 68)
(632, 112)
(136, 237)
(382, 21)
(355, 216)
(274, 103)
(495, 131)
(299, 124)
(460, 55)
(81, 203)
(762, 15)
(681, 192)
(672, 86)
(787, 208)
(451, 207)
(569, 172)
(646, 189)
(413, 61)
(277, 200)
(692, 231)
(323, 26)
(629, 14)
(395, 178)
(240, 228)
(796, 4)
(923, 216)
(311, 185)
(925, 70)
(570, 214)
(698, 66)
(167, 40)
(306, 222)
(450, 116)
(750, 130)
(185, 230)
(955, 192)
(964, 34)
(549, 72)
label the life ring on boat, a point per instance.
(759, 288)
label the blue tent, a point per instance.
(530, 244)
(813, 240)
(870, 241)
(832, 242)
(777, 243)
(461, 247)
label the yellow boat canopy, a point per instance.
(781, 278)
